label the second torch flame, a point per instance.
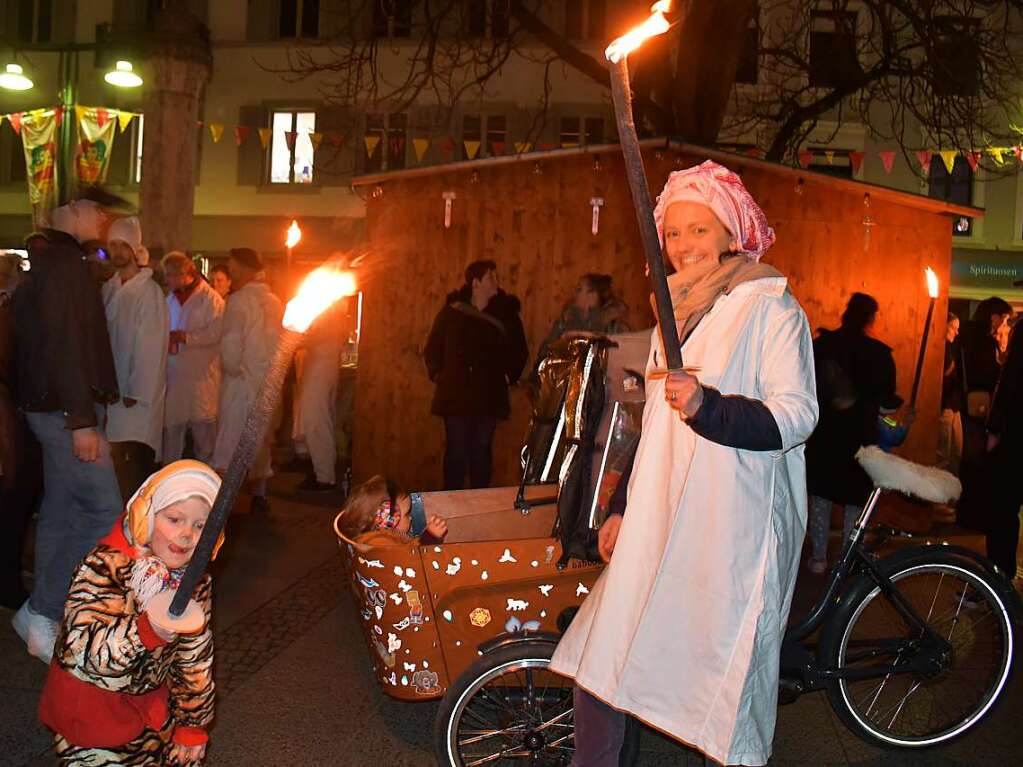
(932, 282)
(656, 24)
(319, 290)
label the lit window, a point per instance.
(291, 149)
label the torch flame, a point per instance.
(319, 290)
(932, 282)
(656, 24)
(294, 234)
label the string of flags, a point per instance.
(495, 148)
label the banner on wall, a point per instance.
(96, 134)
(39, 137)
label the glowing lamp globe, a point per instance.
(123, 76)
(14, 79)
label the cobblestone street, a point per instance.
(295, 685)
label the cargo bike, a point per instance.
(912, 648)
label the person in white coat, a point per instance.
(138, 324)
(193, 367)
(315, 412)
(684, 627)
(252, 322)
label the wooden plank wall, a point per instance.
(534, 221)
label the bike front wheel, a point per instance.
(902, 686)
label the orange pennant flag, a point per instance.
(472, 148)
(241, 132)
(420, 145)
(216, 130)
(522, 146)
(124, 120)
(264, 136)
(372, 142)
(316, 139)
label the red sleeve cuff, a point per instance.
(150, 639)
(190, 736)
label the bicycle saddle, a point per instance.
(894, 473)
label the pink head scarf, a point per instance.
(722, 191)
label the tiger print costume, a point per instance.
(116, 692)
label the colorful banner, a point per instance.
(95, 142)
(39, 136)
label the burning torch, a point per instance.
(932, 290)
(318, 292)
(617, 55)
(291, 240)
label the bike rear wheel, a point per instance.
(947, 681)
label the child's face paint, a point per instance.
(176, 531)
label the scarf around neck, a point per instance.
(691, 301)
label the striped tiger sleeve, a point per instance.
(190, 677)
(101, 636)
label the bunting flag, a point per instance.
(264, 136)
(371, 145)
(755, 152)
(337, 140)
(15, 118)
(996, 155)
(948, 157)
(472, 148)
(241, 132)
(805, 157)
(58, 116)
(974, 159)
(522, 147)
(216, 131)
(569, 144)
(447, 146)
(289, 138)
(856, 160)
(1018, 151)
(829, 155)
(316, 139)
(497, 148)
(397, 146)
(419, 146)
(102, 116)
(79, 113)
(124, 120)
(40, 143)
(923, 156)
(95, 143)
(545, 146)
(888, 160)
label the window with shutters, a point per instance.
(833, 59)
(576, 131)
(748, 70)
(392, 18)
(487, 18)
(298, 19)
(956, 187)
(483, 135)
(34, 20)
(955, 56)
(291, 148)
(385, 144)
(585, 19)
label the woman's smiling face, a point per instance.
(694, 239)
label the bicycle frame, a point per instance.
(799, 667)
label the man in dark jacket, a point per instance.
(476, 349)
(1005, 453)
(65, 378)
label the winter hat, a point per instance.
(173, 483)
(127, 230)
(248, 258)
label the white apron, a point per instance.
(137, 323)
(193, 374)
(684, 627)
(252, 322)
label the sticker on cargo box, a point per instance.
(479, 617)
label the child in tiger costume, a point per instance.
(121, 689)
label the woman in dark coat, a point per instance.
(855, 382)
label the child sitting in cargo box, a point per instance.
(379, 513)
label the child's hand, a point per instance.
(437, 526)
(185, 755)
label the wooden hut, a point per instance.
(533, 215)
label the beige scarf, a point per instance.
(691, 301)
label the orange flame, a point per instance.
(294, 234)
(656, 24)
(319, 290)
(932, 282)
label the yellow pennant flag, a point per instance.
(522, 146)
(216, 130)
(316, 139)
(264, 136)
(472, 148)
(996, 155)
(420, 145)
(569, 144)
(371, 145)
(79, 113)
(829, 155)
(948, 156)
(124, 119)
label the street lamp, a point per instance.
(123, 76)
(14, 79)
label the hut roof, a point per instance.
(725, 158)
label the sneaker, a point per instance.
(817, 566)
(21, 620)
(37, 631)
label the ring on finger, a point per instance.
(673, 396)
